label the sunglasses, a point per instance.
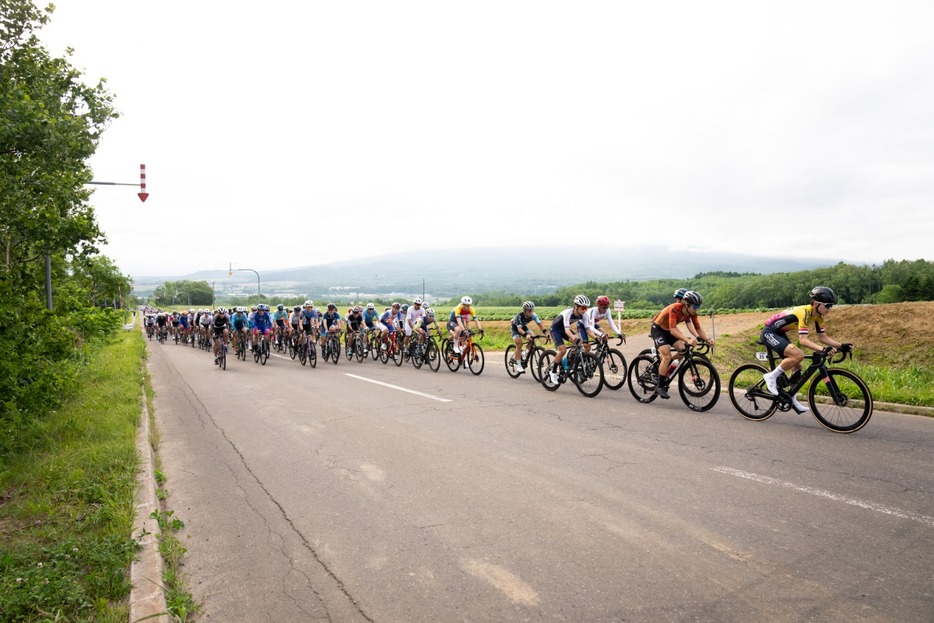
(827, 305)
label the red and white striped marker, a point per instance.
(143, 195)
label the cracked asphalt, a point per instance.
(309, 495)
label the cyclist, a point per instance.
(415, 313)
(679, 294)
(280, 317)
(665, 334)
(240, 323)
(519, 328)
(459, 319)
(184, 324)
(371, 320)
(387, 320)
(565, 327)
(774, 335)
(221, 324)
(262, 325)
(598, 313)
(354, 324)
(331, 320)
(206, 319)
(310, 318)
(424, 323)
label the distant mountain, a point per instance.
(484, 270)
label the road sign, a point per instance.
(619, 305)
(142, 194)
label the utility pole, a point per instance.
(230, 270)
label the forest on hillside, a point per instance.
(891, 282)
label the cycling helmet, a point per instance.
(823, 294)
(254, 308)
(221, 310)
(394, 305)
(693, 298)
(370, 306)
(431, 312)
(603, 301)
(191, 311)
(357, 309)
(581, 300)
(466, 300)
(280, 307)
(264, 307)
(417, 301)
(405, 307)
(528, 305)
(297, 308)
(679, 293)
(309, 303)
(332, 307)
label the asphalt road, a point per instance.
(367, 492)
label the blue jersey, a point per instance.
(239, 320)
(330, 319)
(370, 318)
(262, 321)
(308, 316)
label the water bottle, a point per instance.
(564, 363)
(673, 367)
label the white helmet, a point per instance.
(581, 301)
(417, 301)
(431, 312)
(466, 300)
(308, 303)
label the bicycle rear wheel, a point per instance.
(335, 349)
(451, 358)
(263, 352)
(614, 369)
(642, 380)
(587, 375)
(535, 358)
(749, 394)
(510, 360)
(840, 401)
(312, 354)
(699, 385)
(359, 345)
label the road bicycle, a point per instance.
(222, 354)
(331, 349)
(426, 352)
(389, 348)
(308, 352)
(698, 380)
(373, 339)
(240, 345)
(839, 399)
(580, 367)
(613, 363)
(261, 350)
(471, 355)
(530, 357)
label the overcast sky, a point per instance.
(770, 128)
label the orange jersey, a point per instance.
(669, 317)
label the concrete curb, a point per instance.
(147, 595)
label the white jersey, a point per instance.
(596, 316)
(412, 316)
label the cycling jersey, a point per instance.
(308, 316)
(465, 312)
(354, 321)
(675, 313)
(280, 317)
(239, 320)
(330, 319)
(565, 319)
(520, 320)
(596, 316)
(262, 322)
(387, 319)
(801, 317)
(370, 318)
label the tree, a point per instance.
(52, 123)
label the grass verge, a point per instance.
(67, 497)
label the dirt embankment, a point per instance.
(898, 334)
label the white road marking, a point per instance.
(503, 580)
(879, 508)
(401, 389)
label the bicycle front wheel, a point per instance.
(335, 349)
(264, 352)
(749, 394)
(433, 355)
(840, 401)
(699, 385)
(312, 354)
(533, 364)
(475, 359)
(451, 359)
(642, 380)
(614, 369)
(588, 375)
(359, 346)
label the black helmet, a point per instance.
(823, 294)
(693, 298)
